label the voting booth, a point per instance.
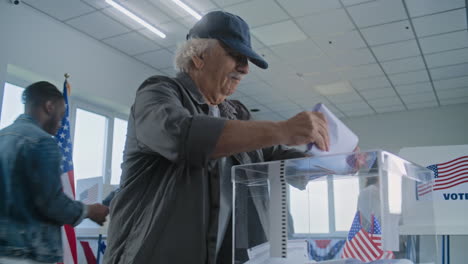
(360, 207)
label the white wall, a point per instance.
(447, 125)
(48, 48)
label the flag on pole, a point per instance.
(68, 179)
(363, 245)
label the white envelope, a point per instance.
(342, 139)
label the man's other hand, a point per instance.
(98, 212)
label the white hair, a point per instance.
(192, 47)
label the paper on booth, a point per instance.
(342, 139)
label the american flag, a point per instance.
(447, 175)
(363, 245)
(68, 180)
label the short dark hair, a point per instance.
(40, 92)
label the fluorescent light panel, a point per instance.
(188, 9)
(136, 18)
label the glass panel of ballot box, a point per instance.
(360, 207)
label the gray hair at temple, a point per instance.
(192, 47)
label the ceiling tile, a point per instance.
(353, 58)
(271, 116)
(251, 89)
(118, 16)
(259, 12)
(369, 94)
(419, 98)
(202, 6)
(268, 34)
(322, 78)
(390, 108)
(150, 11)
(414, 88)
(440, 23)
(63, 9)
(284, 105)
(403, 65)
(313, 65)
(97, 3)
(159, 59)
(377, 12)
(437, 43)
(298, 50)
(386, 101)
(422, 105)
(354, 2)
(256, 44)
(356, 105)
(363, 71)
(345, 98)
(449, 71)
(175, 34)
(453, 93)
(387, 33)
(371, 83)
(132, 43)
(447, 58)
(396, 50)
(425, 7)
(326, 24)
(170, 71)
(460, 100)
(97, 25)
(409, 77)
(224, 3)
(362, 112)
(343, 41)
(306, 7)
(451, 83)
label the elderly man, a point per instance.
(183, 136)
(32, 203)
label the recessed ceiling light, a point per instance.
(334, 88)
(136, 18)
(188, 9)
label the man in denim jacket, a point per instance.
(32, 203)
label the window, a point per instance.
(324, 206)
(118, 143)
(89, 144)
(12, 106)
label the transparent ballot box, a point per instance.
(361, 207)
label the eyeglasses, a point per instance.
(237, 56)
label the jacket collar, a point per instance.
(191, 87)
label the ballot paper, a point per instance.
(342, 139)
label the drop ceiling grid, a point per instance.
(440, 63)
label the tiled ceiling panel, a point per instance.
(270, 12)
(312, 46)
(387, 33)
(440, 23)
(98, 25)
(326, 24)
(377, 12)
(426, 7)
(63, 9)
(268, 34)
(299, 8)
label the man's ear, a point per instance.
(198, 62)
(49, 107)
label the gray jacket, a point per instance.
(168, 206)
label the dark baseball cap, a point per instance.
(229, 29)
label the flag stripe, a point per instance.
(450, 186)
(449, 162)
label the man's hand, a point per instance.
(306, 127)
(97, 213)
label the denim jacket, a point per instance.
(33, 206)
